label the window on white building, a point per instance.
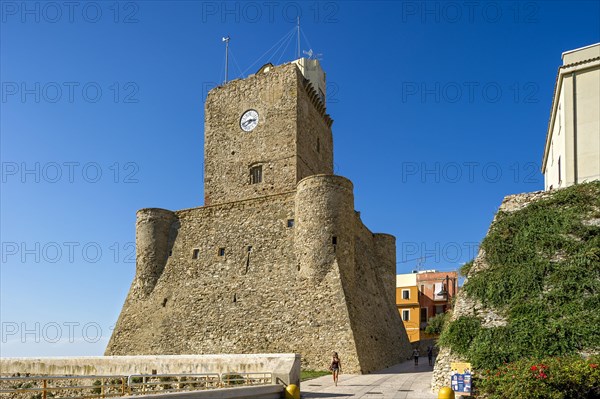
(559, 118)
(437, 287)
(559, 172)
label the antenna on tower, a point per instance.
(298, 36)
(226, 40)
(420, 263)
(311, 53)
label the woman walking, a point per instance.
(430, 354)
(416, 356)
(335, 367)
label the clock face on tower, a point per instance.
(249, 120)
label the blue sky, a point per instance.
(440, 110)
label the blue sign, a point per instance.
(460, 377)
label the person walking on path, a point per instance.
(335, 367)
(416, 356)
(430, 354)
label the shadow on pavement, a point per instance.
(407, 367)
(324, 395)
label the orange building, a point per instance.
(407, 300)
(422, 295)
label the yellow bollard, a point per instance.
(446, 393)
(292, 392)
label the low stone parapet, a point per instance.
(258, 392)
(284, 367)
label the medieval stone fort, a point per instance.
(277, 260)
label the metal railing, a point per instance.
(142, 384)
(56, 386)
(106, 386)
(228, 379)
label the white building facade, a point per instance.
(572, 150)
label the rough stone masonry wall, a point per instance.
(155, 234)
(378, 329)
(466, 306)
(229, 152)
(261, 301)
(242, 302)
(291, 141)
(314, 140)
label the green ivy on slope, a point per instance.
(543, 276)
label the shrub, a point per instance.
(233, 379)
(97, 390)
(543, 276)
(166, 379)
(465, 269)
(435, 325)
(460, 333)
(570, 377)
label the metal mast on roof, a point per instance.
(226, 40)
(298, 37)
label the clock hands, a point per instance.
(248, 121)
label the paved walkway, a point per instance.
(402, 381)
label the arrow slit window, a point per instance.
(256, 174)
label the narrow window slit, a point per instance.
(256, 174)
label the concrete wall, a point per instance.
(406, 280)
(258, 392)
(285, 367)
(588, 124)
(311, 69)
(554, 175)
(581, 54)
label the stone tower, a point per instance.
(277, 260)
(291, 139)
